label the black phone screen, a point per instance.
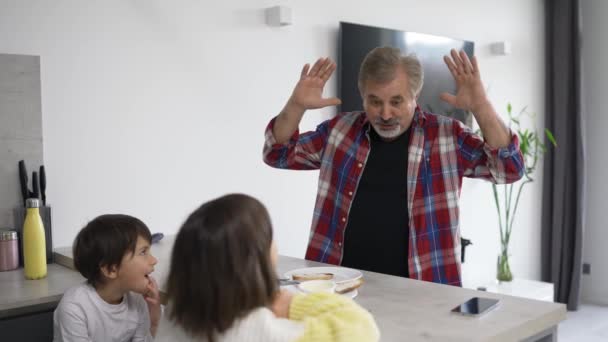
(476, 306)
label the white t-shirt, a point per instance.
(83, 316)
(259, 325)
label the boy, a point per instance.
(113, 253)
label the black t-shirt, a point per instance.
(377, 232)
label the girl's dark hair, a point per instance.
(104, 242)
(221, 266)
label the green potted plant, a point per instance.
(532, 148)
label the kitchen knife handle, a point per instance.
(42, 184)
(35, 191)
(25, 192)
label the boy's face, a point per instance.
(135, 268)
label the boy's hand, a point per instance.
(281, 303)
(152, 297)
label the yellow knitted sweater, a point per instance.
(316, 317)
(331, 317)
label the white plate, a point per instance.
(294, 289)
(341, 274)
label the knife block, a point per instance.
(45, 214)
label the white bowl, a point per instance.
(313, 286)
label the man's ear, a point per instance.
(110, 272)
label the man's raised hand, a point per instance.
(470, 93)
(308, 93)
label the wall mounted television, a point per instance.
(357, 40)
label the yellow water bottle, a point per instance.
(34, 241)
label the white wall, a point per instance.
(152, 107)
(595, 83)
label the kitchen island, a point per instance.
(412, 310)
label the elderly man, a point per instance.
(390, 177)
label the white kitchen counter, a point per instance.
(532, 289)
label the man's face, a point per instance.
(389, 106)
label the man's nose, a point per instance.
(385, 113)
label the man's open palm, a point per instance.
(308, 93)
(470, 93)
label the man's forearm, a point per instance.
(287, 122)
(494, 130)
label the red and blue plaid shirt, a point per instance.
(441, 152)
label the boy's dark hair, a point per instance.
(221, 266)
(104, 242)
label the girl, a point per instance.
(222, 285)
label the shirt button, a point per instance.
(350, 193)
(344, 219)
(340, 244)
(360, 165)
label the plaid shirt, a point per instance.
(441, 152)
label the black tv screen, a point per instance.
(357, 40)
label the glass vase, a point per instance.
(503, 270)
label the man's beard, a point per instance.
(390, 134)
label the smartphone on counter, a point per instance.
(476, 306)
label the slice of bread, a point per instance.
(312, 276)
(348, 286)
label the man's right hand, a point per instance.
(308, 93)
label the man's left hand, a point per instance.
(470, 93)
